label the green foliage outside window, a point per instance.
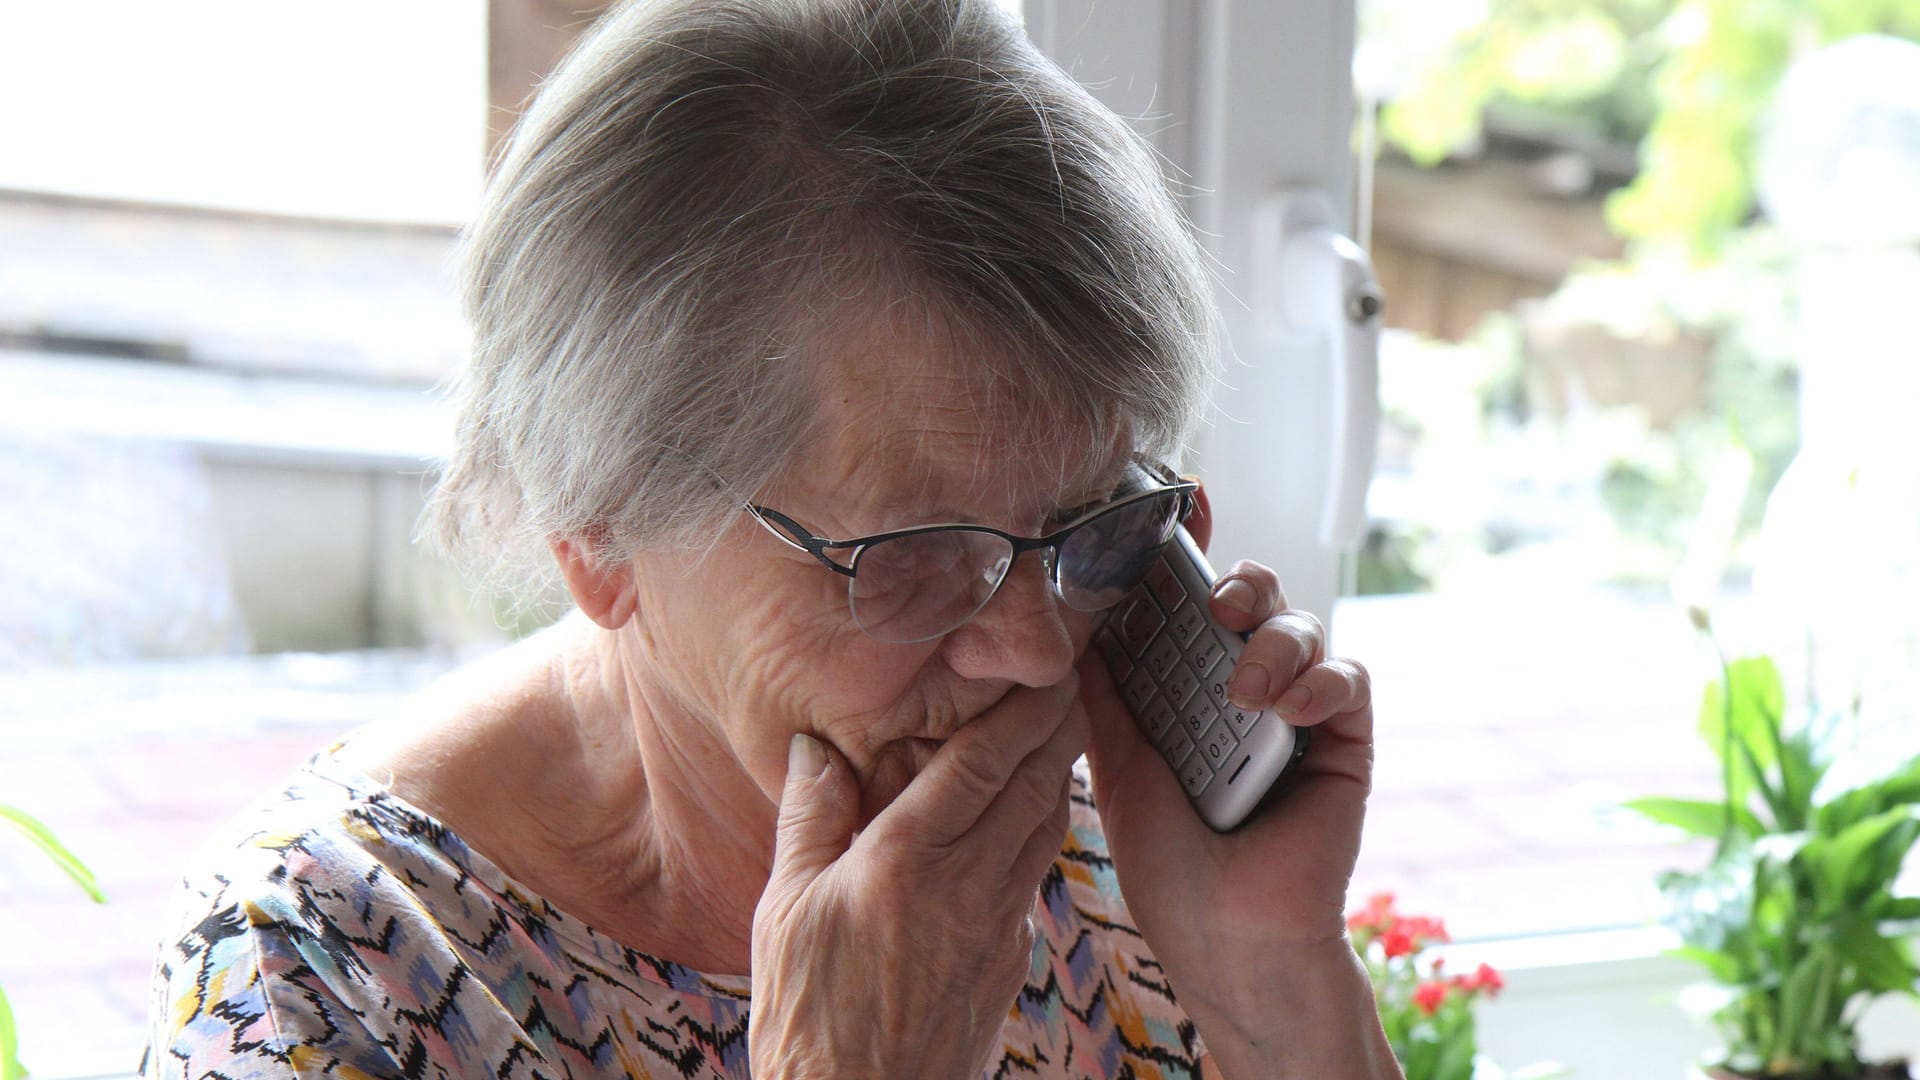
(1685, 84)
(1687, 81)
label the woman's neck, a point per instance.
(587, 782)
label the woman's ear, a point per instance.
(1200, 522)
(603, 590)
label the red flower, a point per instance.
(1424, 929)
(1377, 914)
(1429, 995)
(1487, 979)
(1484, 977)
(1397, 941)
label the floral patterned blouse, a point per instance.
(334, 930)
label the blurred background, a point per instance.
(1650, 266)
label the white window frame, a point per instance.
(1244, 100)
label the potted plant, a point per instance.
(1427, 1014)
(42, 837)
(1795, 918)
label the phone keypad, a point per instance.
(1173, 676)
(1188, 621)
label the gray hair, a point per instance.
(707, 189)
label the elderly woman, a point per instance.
(757, 282)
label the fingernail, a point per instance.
(1237, 595)
(1294, 701)
(1248, 688)
(806, 758)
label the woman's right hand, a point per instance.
(898, 952)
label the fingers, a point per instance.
(1284, 646)
(1045, 842)
(1035, 791)
(1001, 769)
(819, 807)
(1246, 595)
(1284, 665)
(1338, 687)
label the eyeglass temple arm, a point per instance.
(792, 534)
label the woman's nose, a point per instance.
(1021, 634)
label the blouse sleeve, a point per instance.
(236, 996)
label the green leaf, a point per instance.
(1850, 867)
(1720, 966)
(1899, 787)
(42, 837)
(1713, 910)
(1423, 1052)
(1900, 908)
(10, 1067)
(1740, 718)
(1455, 1060)
(1696, 817)
(1883, 964)
(1800, 768)
(1800, 993)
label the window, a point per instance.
(1550, 452)
(225, 231)
(358, 110)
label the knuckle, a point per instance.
(1294, 635)
(1265, 582)
(978, 768)
(1034, 784)
(1300, 625)
(1358, 676)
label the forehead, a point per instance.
(923, 423)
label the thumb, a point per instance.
(818, 810)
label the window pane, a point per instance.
(357, 109)
(1602, 396)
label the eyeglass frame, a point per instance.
(803, 539)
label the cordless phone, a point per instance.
(1171, 662)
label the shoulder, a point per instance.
(302, 937)
(226, 997)
(336, 927)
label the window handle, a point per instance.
(1318, 283)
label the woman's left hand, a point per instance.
(1250, 925)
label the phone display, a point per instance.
(1171, 662)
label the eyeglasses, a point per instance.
(916, 584)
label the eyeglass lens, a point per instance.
(918, 586)
(1100, 562)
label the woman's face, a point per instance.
(755, 642)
